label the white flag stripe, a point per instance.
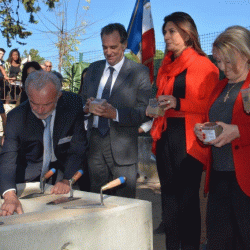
(147, 21)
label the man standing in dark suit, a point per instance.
(113, 127)
(45, 131)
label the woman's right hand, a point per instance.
(167, 102)
(6, 78)
(198, 131)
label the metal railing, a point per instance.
(11, 91)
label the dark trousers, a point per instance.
(103, 168)
(228, 213)
(84, 183)
(180, 176)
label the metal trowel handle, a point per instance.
(114, 183)
(76, 176)
(45, 177)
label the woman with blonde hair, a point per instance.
(185, 82)
(228, 175)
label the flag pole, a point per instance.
(135, 12)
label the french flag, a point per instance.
(141, 36)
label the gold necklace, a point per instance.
(227, 94)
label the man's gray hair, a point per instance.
(39, 79)
(48, 61)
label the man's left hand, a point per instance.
(106, 111)
(61, 187)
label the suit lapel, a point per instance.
(123, 74)
(34, 126)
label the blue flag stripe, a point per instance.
(135, 27)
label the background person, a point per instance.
(14, 69)
(43, 67)
(84, 72)
(3, 75)
(113, 128)
(59, 75)
(48, 65)
(185, 82)
(84, 182)
(228, 175)
(25, 156)
(27, 69)
(2, 52)
(13, 65)
(4, 120)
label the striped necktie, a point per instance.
(47, 144)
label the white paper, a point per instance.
(210, 135)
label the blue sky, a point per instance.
(209, 15)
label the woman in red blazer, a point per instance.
(228, 169)
(185, 82)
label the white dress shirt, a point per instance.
(103, 81)
(146, 126)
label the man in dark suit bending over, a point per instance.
(45, 131)
(113, 127)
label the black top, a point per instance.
(222, 111)
(180, 85)
(14, 71)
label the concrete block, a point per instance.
(122, 224)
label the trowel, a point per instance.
(115, 183)
(42, 184)
(76, 176)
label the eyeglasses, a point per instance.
(48, 66)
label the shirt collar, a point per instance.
(117, 67)
(53, 114)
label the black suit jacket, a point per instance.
(22, 154)
(130, 96)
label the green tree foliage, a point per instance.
(11, 26)
(158, 55)
(132, 57)
(72, 77)
(34, 53)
